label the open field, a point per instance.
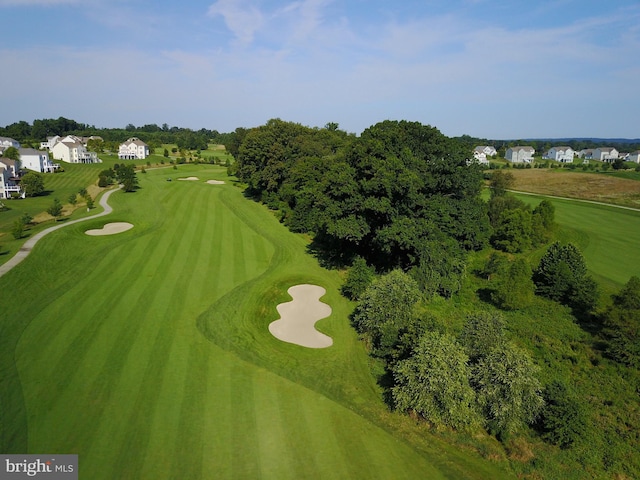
(148, 352)
(600, 187)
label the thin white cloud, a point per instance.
(240, 17)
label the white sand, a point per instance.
(110, 229)
(189, 178)
(298, 318)
(215, 182)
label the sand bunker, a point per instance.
(189, 178)
(215, 182)
(298, 318)
(110, 229)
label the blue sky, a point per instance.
(502, 69)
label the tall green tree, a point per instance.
(434, 383)
(564, 417)
(512, 233)
(482, 332)
(386, 309)
(513, 289)
(562, 276)
(358, 279)
(508, 391)
(55, 210)
(12, 153)
(32, 184)
(622, 325)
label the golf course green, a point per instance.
(148, 354)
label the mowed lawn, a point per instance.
(148, 354)
(608, 236)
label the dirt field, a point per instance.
(586, 186)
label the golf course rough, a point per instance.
(298, 317)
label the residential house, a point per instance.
(481, 152)
(520, 154)
(605, 154)
(634, 157)
(132, 149)
(6, 142)
(50, 143)
(71, 150)
(560, 154)
(36, 160)
(586, 153)
(9, 178)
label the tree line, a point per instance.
(154, 135)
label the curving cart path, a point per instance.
(29, 244)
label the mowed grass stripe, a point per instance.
(161, 324)
(98, 376)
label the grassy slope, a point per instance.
(609, 237)
(105, 337)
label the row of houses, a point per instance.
(69, 149)
(563, 154)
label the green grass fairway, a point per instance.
(609, 237)
(148, 354)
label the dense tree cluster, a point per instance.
(401, 195)
(517, 228)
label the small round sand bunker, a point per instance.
(298, 318)
(189, 178)
(215, 182)
(110, 229)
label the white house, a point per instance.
(134, 148)
(50, 143)
(520, 154)
(37, 160)
(605, 154)
(481, 152)
(586, 153)
(6, 142)
(560, 154)
(9, 178)
(634, 157)
(71, 150)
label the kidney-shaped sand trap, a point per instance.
(110, 229)
(298, 318)
(215, 182)
(189, 178)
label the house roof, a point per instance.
(521, 147)
(561, 147)
(135, 141)
(8, 161)
(605, 149)
(31, 151)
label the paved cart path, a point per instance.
(29, 244)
